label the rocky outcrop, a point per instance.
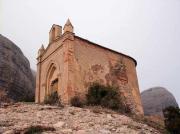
(16, 79)
(155, 99)
(20, 117)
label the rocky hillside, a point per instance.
(155, 99)
(23, 118)
(16, 80)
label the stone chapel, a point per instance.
(71, 63)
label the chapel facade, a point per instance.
(70, 64)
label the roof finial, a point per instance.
(41, 50)
(68, 27)
(42, 47)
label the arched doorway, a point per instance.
(52, 80)
(54, 85)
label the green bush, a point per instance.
(111, 99)
(172, 119)
(106, 96)
(95, 94)
(76, 102)
(53, 99)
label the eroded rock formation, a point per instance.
(16, 79)
(155, 99)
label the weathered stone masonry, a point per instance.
(70, 64)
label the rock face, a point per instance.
(16, 79)
(18, 118)
(155, 99)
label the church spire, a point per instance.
(68, 27)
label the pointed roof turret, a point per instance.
(68, 22)
(41, 50)
(68, 27)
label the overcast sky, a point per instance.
(148, 30)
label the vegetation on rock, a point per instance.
(38, 129)
(172, 119)
(106, 96)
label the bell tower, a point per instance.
(55, 32)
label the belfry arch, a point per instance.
(52, 79)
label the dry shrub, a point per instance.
(149, 122)
(76, 102)
(53, 99)
(38, 129)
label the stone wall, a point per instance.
(96, 64)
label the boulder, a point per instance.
(16, 79)
(156, 99)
